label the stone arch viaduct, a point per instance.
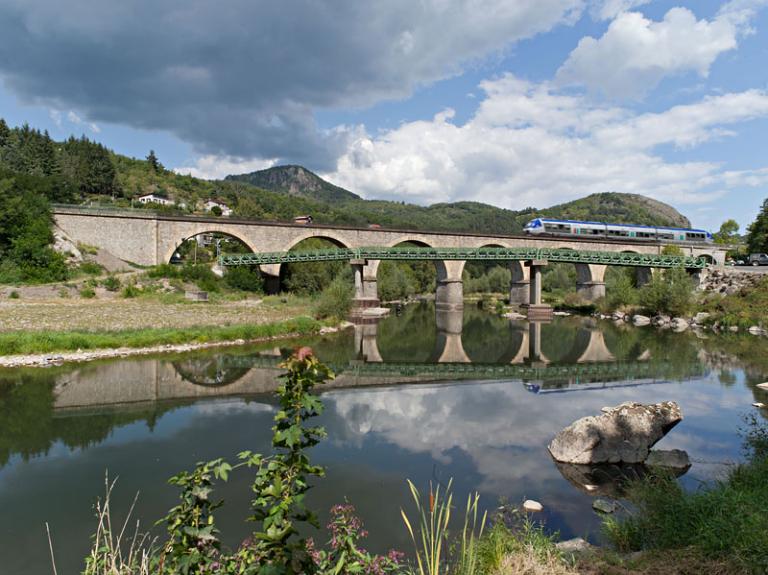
(147, 238)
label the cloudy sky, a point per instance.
(531, 102)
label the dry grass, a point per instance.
(532, 561)
(673, 562)
(141, 313)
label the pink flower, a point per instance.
(304, 353)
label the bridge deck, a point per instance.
(487, 254)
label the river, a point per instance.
(419, 396)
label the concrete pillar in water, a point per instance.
(366, 342)
(535, 287)
(520, 288)
(449, 347)
(357, 270)
(449, 294)
(590, 281)
(370, 287)
(536, 309)
(271, 275)
(534, 342)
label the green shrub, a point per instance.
(130, 291)
(245, 278)
(87, 293)
(336, 300)
(91, 268)
(111, 283)
(670, 291)
(14, 295)
(620, 290)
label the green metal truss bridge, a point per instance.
(472, 254)
(586, 372)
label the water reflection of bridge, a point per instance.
(523, 343)
(588, 365)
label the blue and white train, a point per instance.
(575, 228)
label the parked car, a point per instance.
(758, 259)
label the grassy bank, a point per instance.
(724, 522)
(31, 342)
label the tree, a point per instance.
(757, 233)
(727, 233)
(5, 133)
(88, 166)
(154, 163)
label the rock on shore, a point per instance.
(624, 433)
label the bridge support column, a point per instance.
(534, 342)
(536, 309)
(271, 275)
(450, 348)
(366, 342)
(449, 294)
(370, 287)
(520, 288)
(361, 300)
(590, 282)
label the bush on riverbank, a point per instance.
(335, 300)
(744, 309)
(725, 521)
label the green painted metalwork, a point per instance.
(593, 371)
(469, 254)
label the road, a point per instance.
(755, 269)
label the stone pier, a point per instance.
(520, 288)
(590, 281)
(537, 310)
(449, 294)
(448, 344)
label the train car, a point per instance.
(576, 228)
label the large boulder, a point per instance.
(621, 434)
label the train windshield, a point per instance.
(533, 224)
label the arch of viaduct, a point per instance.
(149, 239)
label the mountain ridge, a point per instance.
(615, 207)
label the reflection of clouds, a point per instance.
(231, 407)
(504, 429)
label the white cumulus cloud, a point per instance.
(530, 144)
(213, 167)
(636, 53)
(609, 9)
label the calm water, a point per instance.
(473, 397)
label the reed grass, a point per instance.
(124, 551)
(468, 562)
(434, 516)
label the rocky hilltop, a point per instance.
(295, 181)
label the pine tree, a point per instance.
(757, 236)
(154, 163)
(5, 133)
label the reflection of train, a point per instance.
(547, 226)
